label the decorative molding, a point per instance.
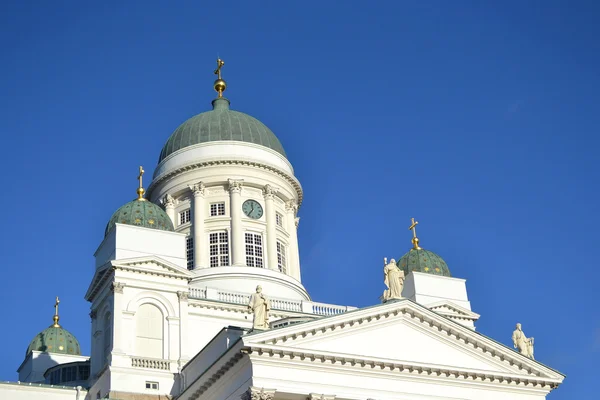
(198, 189)
(194, 166)
(235, 185)
(168, 201)
(314, 396)
(269, 192)
(182, 296)
(415, 369)
(291, 206)
(254, 393)
(297, 221)
(117, 287)
(93, 314)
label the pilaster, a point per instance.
(291, 208)
(183, 327)
(199, 213)
(169, 203)
(269, 194)
(237, 233)
(117, 325)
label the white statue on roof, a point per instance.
(393, 277)
(260, 306)
(522, 342)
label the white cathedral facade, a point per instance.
(177, 273)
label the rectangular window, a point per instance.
(152, 385)
(254, 251)
(184, 217)
(279, 219)
(189, 252)
(217, 209)
(281, 261)
(218, 243)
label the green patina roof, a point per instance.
(221, 124)
(422, 260)
(141, 213)
(55, 339)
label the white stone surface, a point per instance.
(36, 363)
(28, 391)
(427, 289)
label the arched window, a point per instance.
(107, 339)
(149, 331)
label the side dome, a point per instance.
(422, 260)
(141, 213)
(220, 123)
(55, 339)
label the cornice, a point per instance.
(194, 166)
(153, 273)
(319, 359)
(207, 379)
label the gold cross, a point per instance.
(140, 175)
(413, 227)
(220, 64)
(56, 318)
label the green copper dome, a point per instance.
(221, 124)
(422, 260)
(55, 339)
(141, 213)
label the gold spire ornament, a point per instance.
(140, 190)
(220, 84)
(415, 239)
(56, 317)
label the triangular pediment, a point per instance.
(402, 333)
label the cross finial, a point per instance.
(415, 239)
(140, 190)
(56, 318)
(220, 84)
(220, 64)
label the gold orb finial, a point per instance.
(56, 317)
(415, 239)
(140, 190)
(220, 85)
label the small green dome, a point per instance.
(55, 339)
(220, 123)
(141, 213)
(422, 260)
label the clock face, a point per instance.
(252, 209)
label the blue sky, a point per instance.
(480, 119)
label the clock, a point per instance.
(252, 209)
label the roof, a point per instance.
(219, 124)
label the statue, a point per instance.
(522, 342)
(260, 306)
(393, 279)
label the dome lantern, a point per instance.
(55, 339)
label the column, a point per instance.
(199, 212)
(237, 234)
(291, 207)
(254, 392)
(95, 358)
(117, 325)
(169, 203)
(183, 328)
(269, 194)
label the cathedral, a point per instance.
(197, 294)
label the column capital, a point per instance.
(269, 192)
(297, 221)
(235, 185)
(93, 314)
(291, 206)
(182, 296)
(314, 396)
(254, 393)
(117, 287)
(168, 201)
(197, 189)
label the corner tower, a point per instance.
(224, 180)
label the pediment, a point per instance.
(152, 265)
(448, 308)
(403, 333)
